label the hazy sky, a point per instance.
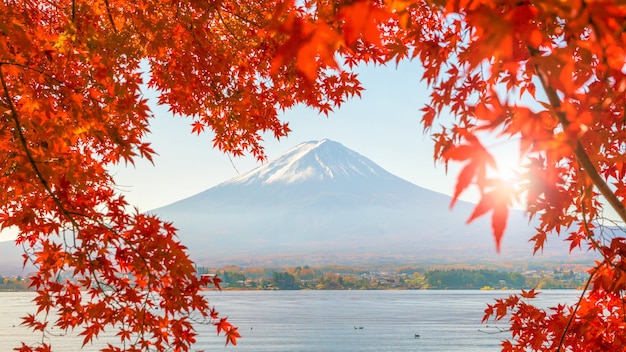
(383, 125)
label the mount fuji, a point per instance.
(323, 203)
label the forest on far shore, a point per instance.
(350, 278)
(353, 278)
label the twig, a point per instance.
(571, 318)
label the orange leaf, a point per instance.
(463, 181)
(197, 127)
(361, 20)
(497, 199)
(223, 325)
(232, 335)
(529, 294)
(498, 223)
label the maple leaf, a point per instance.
(529, 294)
(223, 325)
(216, 282)
(361, 20)
(493, 201)
(232, 335)
(213, 313)
(197, 127)
(478, 158)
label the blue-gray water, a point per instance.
(318, 321)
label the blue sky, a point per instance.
(383, 125)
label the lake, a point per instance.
(317, 321)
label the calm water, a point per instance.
(318, 321)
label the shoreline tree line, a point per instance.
(354, 278)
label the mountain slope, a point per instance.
(323, 200)
(11, 260)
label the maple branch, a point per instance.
(232, 163)
(106, 3)
(579, 149)
(51, 77)
(571, 318)
(228, 29)
(41, 72)
(31, 159)
(242, 18)
(29, 155)
(597, 246)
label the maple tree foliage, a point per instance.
(549, 74)
(553, 76)
(71, 105)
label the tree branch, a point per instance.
(579, 149)
(29, 155)
(607, 260)
(571, 318)
(108, 7)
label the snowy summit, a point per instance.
(312, 161)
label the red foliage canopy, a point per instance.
(549, 73)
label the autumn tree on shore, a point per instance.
(548, 73)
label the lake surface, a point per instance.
(318, 321)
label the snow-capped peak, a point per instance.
(310, 161)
